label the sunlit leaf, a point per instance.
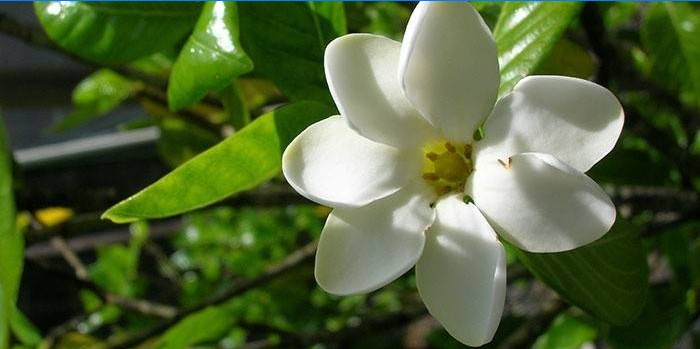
(607, 278)
(212, 57)
(567, 332)
(209, 324)
(286, 40)
(95, 96)
(116, 32)
(526, 33)
(243, 161)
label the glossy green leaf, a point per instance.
(567, 332)
(209, 324)
(96, 95)
(11, 243)
(607, 278)
(212, 57)
(287, 40)
(525, 35)
(243, 161)
(116, 32)
(671, 34)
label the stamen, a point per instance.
(505, 164)
(430, 177)
(468, 150)
(444, 190)
(447, 167)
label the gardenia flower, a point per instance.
(409, 185)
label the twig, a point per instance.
(71, 258)
(292, 261)
(142, 306)
(81, 273)
(58, 331)
(159, 230)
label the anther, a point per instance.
(468, 150)
(430, 176)
(451, 148)
(444, 190)
(505, 164)
(431, 156)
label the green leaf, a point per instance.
(663, 320)
(116, 267)
(209, 324)
(11, 242)
(526, 33)
(607, 278)
(671, 34)
(387, 18)
(24, 330)
(243, 161)
(567, 332)
(116, 32)
(181, 140)
(287, 40)
(212, 57)
(96, 95)
(232, 98)
(569, 59)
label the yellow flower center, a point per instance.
(447, 165)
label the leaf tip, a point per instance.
(115, 216)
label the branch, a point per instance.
(291, 262)
(71, 258)
(81, 273)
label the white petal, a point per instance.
(331, 164)
(449, 67)
(461, 276)
(361, 74)
(575, 120)
(541, 204)
(362, 249)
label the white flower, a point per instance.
(397, 163)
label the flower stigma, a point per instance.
(447, 165)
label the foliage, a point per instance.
(229, 85)
(11, 243)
